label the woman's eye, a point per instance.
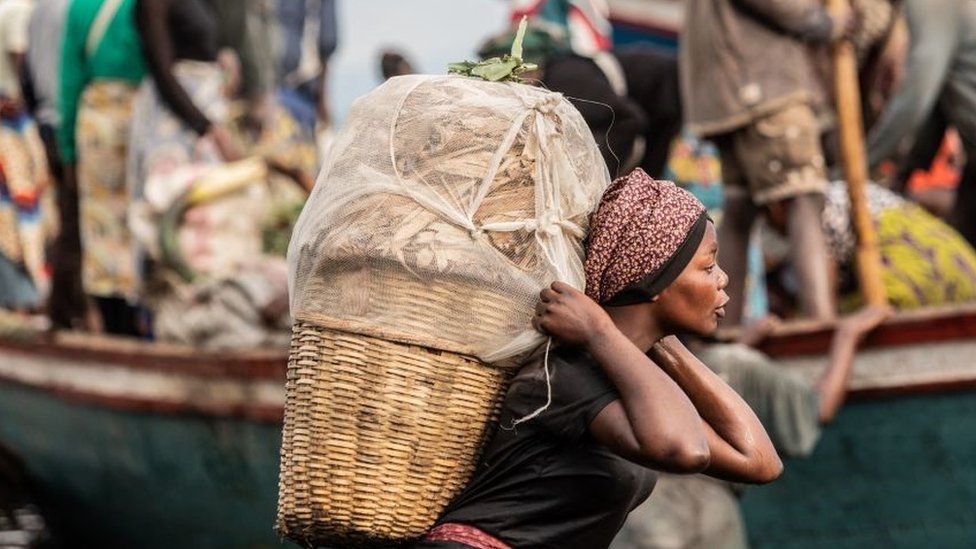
(710, 268)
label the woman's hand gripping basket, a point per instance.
(446, 205)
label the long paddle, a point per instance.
(848, 99)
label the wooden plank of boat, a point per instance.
(133, 375)
(915, 352)
(653, 22)
(258, 363)
(905, 328)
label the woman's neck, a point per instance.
(638, 324)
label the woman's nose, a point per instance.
(723, 279)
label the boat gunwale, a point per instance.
(930, 325)
(145, 355)
(253, 412)
(792, 340)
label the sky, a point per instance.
(431, 33)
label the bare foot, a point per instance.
(863, 321)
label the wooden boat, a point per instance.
(654, 22)
(149, 445)
(135, 444)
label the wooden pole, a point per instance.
(847, 96)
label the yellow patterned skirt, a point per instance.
(925, 261)
(109, 267)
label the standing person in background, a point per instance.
(303, 67)
(24, 177)
(628, 96)
(66, 303)
(748, 84)
(179, 117)
(696, 512)
(245, 29)
(940, 73)
(640, 125)
(101, 66)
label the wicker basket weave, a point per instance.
(378, 436)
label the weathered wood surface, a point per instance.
(130, 375)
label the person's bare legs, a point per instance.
(738, 217)
(808, 249)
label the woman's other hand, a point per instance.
(570, 315)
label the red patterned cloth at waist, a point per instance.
(466, 534)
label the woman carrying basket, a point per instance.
(583, 430)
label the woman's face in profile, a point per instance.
(695, 301)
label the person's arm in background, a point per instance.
(931, 45)
(151, 20)
(807, 20)
(833, 383)
(28, 91)
(740, 448)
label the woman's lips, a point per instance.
(720, 312)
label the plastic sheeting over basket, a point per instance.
(446, 205)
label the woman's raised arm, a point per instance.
(653, 423)
(740, 449)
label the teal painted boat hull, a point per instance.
(140, 445)
(890, 473)
(110, 478)
(135, 444)
(896, 467)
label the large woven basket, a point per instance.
(378, 436)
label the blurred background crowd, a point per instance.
(113, 111)
(154, 155)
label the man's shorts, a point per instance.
(776, 157)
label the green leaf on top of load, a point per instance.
(496, 69)
(519, 37)
(463, 67)
(493, 72)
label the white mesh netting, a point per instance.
(445, 205)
